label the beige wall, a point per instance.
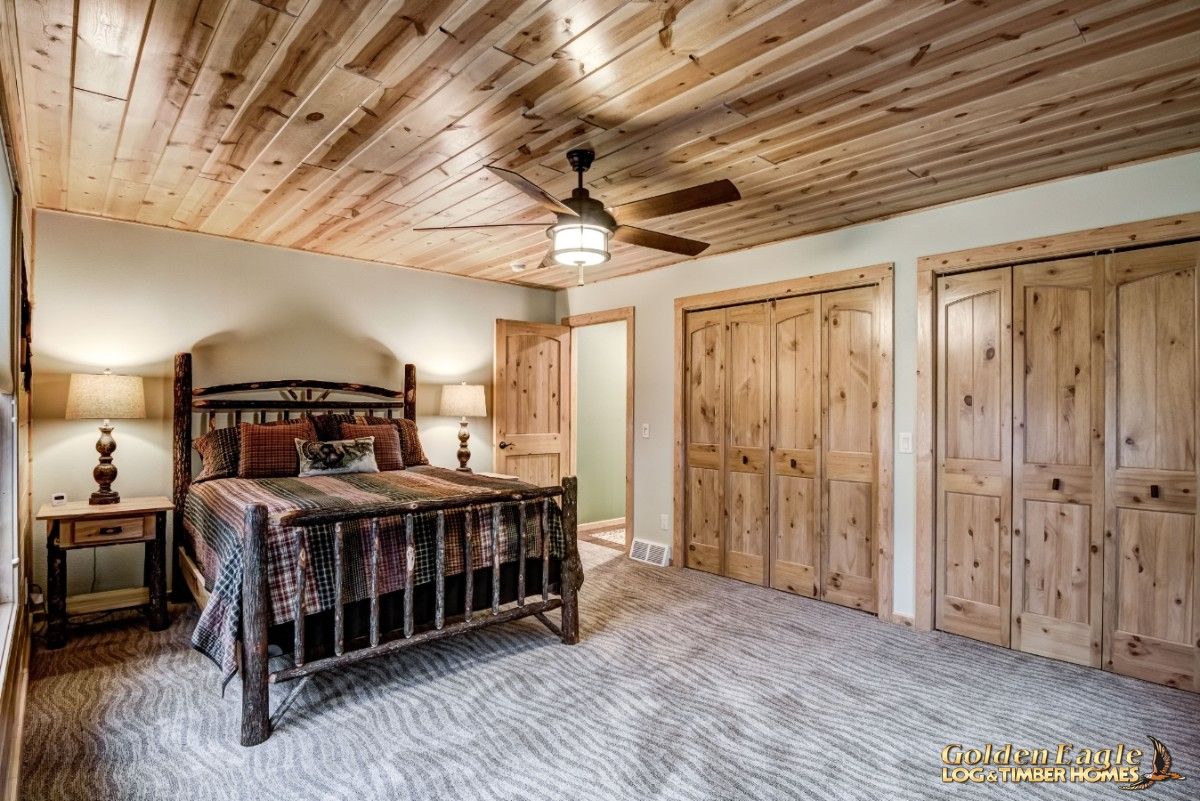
(128, 297)
(1168, 186)
(600, 382)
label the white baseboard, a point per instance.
(601, 525)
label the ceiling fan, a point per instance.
(580, 236)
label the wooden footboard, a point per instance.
(256, 674)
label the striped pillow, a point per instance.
(410, 440)
(269, 450)
(387, 443)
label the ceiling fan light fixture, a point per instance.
(579, 244)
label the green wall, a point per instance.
(601, 432)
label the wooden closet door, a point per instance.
(747, 441)
(704, 431)
(1152, 600)
(974, 450)
(796, 456)
(1058, 459)
(848, 458)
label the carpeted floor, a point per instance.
(726, 691)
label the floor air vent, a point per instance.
(652, 553)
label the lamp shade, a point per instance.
(104, 397)
(463, 400)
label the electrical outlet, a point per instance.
(664, 522)
(905, 445)
(645, 431)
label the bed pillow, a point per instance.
(410, 441)
(338, 456)
(387, 443)
(218, 451)
(328, 425)
(269, 450)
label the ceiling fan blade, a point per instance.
(543, 198)
(695, 197)
(658, 240)
(483, 225)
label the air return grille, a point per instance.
(652, 553)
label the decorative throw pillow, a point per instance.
(387, 443)
(410, 441)
(339, 456)
(329, 425)
(269, 450)
(218, 451)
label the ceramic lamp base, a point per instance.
(105, 473)
(464, 453)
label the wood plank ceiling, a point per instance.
(335, 126)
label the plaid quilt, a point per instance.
(213, 516)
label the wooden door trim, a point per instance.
(627, 315)
(880, 275)
(1160, 230)
(805, 285)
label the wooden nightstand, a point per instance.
(81, 525)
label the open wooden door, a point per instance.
(532, 415)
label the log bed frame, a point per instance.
(297, 398)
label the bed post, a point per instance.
(410, 392)
(181, 466)
(571, 578)
(256, 688)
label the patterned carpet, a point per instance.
(726, 691)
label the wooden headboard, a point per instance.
(213, 405)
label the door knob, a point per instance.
(502, 445)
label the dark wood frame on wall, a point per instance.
(299, 397)
(880, 275)
(1161, 230)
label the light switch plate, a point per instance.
(905, 442)
(645, 431)
(664, 522)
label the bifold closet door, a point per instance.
(1152, 601)
(1058, 459)
(848, 460)
(704, 400)
(746, 492)
(796, 457)
(974, 455)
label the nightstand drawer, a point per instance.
(80, 533)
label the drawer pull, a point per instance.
(1055, 484)
(745, 459)
(1153, 490)
(109, 531)
(793, 464)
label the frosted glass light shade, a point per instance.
(463, 400)
(579, 244)
(105, 397)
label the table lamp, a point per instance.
(463, 400)
(105, 397)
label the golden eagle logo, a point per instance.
(1161, 769)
